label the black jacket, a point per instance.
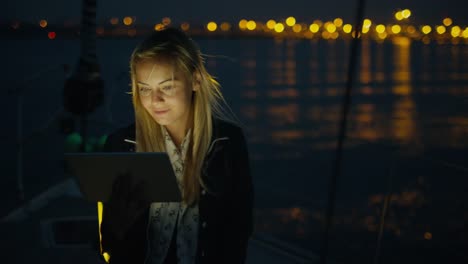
(226, 219)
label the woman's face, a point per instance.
(166, 93)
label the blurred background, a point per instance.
(402, 195)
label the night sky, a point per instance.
(151, 11)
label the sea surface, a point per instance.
(405, 157)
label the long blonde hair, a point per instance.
(173, 45)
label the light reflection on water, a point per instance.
(311, 99)
(411, 95)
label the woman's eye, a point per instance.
(167, 88)
(145, 89)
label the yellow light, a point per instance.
(225, 26)
(290, 21)
(251, 25)
(382, 35)
(380, 29)
(318, 22)
(455, 32)
(347, 28)
(43, 23)
(399, 15)
(314, 28)
(243, 24)
(330, 27)
(127, 21)
(465, 33)
(447, 21)
(426, 29)
(211, 26)
(396, 29)
(335, 35)
(441, 30)
(166, 21)
(114, 21)
(365, 30)
(271, 24)
(158, 27)
(185, 26)
(338, 22)
(279, 27)
(406, 13)
(367, 23)
(297, 28)
(411, 29)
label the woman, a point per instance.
(178, 109)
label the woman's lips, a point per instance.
(161, 112)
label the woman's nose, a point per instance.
(157, 96)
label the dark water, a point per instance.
(407, 136)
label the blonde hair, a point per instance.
(173, 46)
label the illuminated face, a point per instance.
(166, 93)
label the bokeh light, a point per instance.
(127, 21)
(426, 29)
(447, 21)
(347, 28)
(225, 26)
(314, 28)
(406, 13)
(290, 21)
(380, 28)
(211, 26)
(243, 24)
(43, 23)
(396, 29)
(441, 30)
(279, 27)
(338, 22)
(271, 24)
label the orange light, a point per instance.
(243, 24)
(447, 21)
(158, 27)
(411, 29)
(225, 26)
(127, 21)
(271, 24)
(166, 21)
(338, 22)
(297, 28)
(51, 35)
(114, 21)
(43, 23)
(185, 26)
